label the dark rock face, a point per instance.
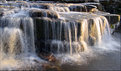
(50, 30)
(53, 34)
(112, 7)
(113, 18)
(77, 8)
(43, 13)
(60, 27)
(117, 29)
(94, 5)
(115, 8)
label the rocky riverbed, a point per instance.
(58, 36)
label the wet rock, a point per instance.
(48, 29)
(82, 48)
(91, 8)
(48, 57)
(77, 8)
(41, 5)
(1, 14)
(43, 13)
(30, 67)
(43, 33)
(85, 7)
(113, 18)
(47, 32)
(91, 36)
(92, 40)
(48, 67)
(94, 5)
(41, 24)
(101, 13)
(117, 29)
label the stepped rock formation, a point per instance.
(30, 28)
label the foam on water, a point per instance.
(106, 47)
(78, 38)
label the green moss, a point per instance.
(112, 26)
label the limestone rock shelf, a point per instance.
(90, 8)
(60, 27)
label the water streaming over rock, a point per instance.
(71, 36)
(16, 38)
(51, 28)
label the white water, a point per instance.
(105, 56)
(17, 48)
(16, 42)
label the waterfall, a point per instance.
(16, 38)
(70, 37)
(59, 29)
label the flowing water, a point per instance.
(75, 38)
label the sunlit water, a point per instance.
(17, 48)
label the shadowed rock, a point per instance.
(113, 18)
(43, 13)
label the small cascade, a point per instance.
(14, 44)
(63, 36)
(31, 30)
(16, 38)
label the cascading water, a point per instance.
(16, 40)
(51, 28)
(70, 36)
